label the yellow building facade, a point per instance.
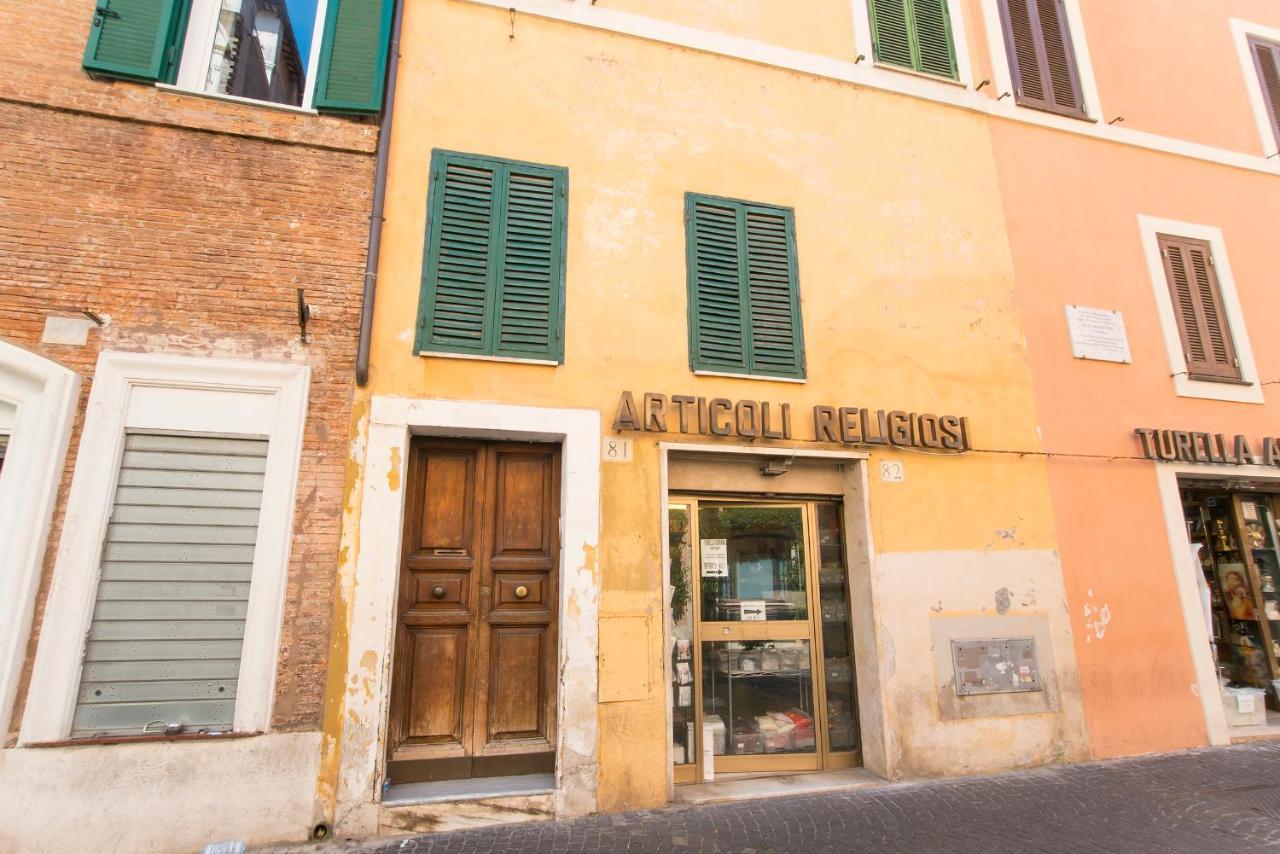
(903, 542)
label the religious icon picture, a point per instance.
(1235, 590)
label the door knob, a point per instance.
(522, 592)
(438, 591)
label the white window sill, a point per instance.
(1229, 392)
(923, 75)
(477, 358)
(236, 99)
(764, 377)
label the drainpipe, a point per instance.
(379, 197)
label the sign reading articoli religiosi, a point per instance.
(760, 419)
(1182, 446)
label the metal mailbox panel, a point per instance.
(995, 666)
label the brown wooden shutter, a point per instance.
(1266, 56)
(1041, 56)
(1197, 302)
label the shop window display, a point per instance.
(761, 650)
(1234, 539)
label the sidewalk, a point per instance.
(1211, 800)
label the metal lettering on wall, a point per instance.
(1000, 666)
(762, 419)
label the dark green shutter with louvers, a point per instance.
(913, 34)
(493, 275)
(744, 301)
(353, 56)
(132, 39)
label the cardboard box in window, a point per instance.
(1245, 706)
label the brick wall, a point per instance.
(190, 240)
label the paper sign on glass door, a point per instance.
(753, 610)
(715, 558)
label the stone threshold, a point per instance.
(741, 787)
(473, 789)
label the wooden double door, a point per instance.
(474, 676)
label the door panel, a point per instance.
(517, 684)
(523, 487)
(474, 670)
(437, 696)
(448, 502)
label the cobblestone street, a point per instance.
(1212, 800)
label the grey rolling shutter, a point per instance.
(168, 623)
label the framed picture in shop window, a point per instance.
(1234, 580)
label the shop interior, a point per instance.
(1233, 531)
(761, 652)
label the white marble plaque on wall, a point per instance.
(1098, 334)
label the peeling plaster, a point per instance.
(393, 473)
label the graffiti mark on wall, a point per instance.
(1096, 619)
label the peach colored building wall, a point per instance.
(1170, 66)
(1074, 233)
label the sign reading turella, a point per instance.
(760, 419)
(1185, 446)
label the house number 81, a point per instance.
(616, 450)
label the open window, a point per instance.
(329, 55)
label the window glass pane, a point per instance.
(752, 563)
(262, 49)
(757, 697)
(837, 648)
(683, 740)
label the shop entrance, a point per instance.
(761, 658)
(473, 689)
(1233, 532)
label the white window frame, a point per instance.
(197, 44)
(959, 37)
(1151, 228)
(1241, 30)
(43, 397)
(144, 391)
(1002, 70)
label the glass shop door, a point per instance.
(762, 676)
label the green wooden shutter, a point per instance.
(133, 39)
(914, 34)
(529, 303)
(165, 641)
(493, 274)
(744, 308)
(777, 346)
(718, 339)
(353, 56)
